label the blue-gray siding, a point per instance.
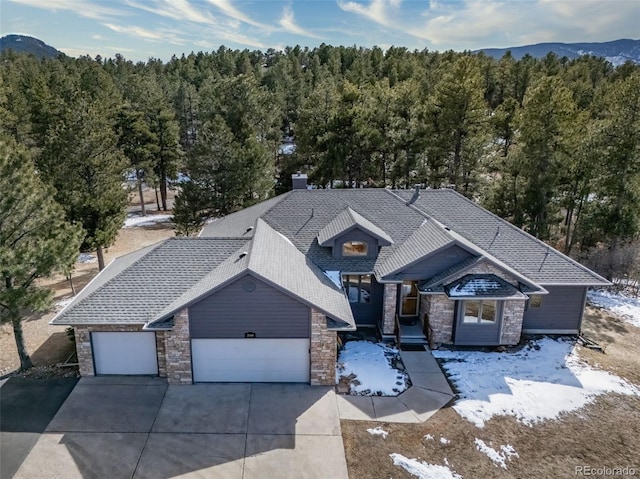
(561, 310)
(233, 311)
(356, 235)
(435, 264)
(470, 334)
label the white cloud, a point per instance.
(288, 22)
(377, 10)
(176, 10)
(161, 35)
(93, 10)
(228, 9)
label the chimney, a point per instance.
(299, 181)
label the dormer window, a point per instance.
(354, 248)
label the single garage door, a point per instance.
(125, 353)
(250, 360)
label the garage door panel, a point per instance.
(127, 353)
(250, 360)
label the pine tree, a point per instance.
(35, 241)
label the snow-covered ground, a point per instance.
(137, 220)
(423, 470)
(378, 431)
(86, 258)
(370, 363)
(539, 382)
(500, 457)
(627, 308)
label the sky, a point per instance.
(143, 29)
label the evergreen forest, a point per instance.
(552, 145)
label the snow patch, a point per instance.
(474, 286)
(86, 258)
(625, 307)
(423, 470)
(499, 458)
(537, 383)
(287, 149)
(370, 363)
(335, 277)
(149, 220)
(378, 431)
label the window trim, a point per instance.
(537, 296)
(345, 286)
(497, 315)
(352, 254)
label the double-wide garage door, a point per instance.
(125, 353)
(250, 360)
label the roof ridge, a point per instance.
(103, 285)
(409, 204)
(526, 233)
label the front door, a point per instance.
(409, 298)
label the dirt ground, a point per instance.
(603, 434)
(48, 344)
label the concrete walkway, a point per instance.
(429, 393)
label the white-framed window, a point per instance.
(354, 248)
(535, 301)
(358, 287)
(480, 311)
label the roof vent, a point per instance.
(250, 228)
(243, 254)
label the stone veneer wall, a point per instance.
(512, 321)
(389, 308)
(178, 350)
(441, 318)
(323, 351)
(83, 343)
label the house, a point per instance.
(261, 294)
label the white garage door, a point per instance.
(125, 353)
(250, 360)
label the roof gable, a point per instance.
(274, 259)
(507, 243)
(349, 220)
(425, 241)
(135, 288)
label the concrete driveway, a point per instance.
(142, 428)
(26, 408)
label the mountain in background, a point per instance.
(25, 44)
(616, 52)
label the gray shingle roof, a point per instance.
(348, 220)
(435, 284)
(151, 284)
(481, 286)
(274, 259)
(427, 239)
(277, 260)
(241, 223)
(517, 249)
(303, 213)
(137, 287)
